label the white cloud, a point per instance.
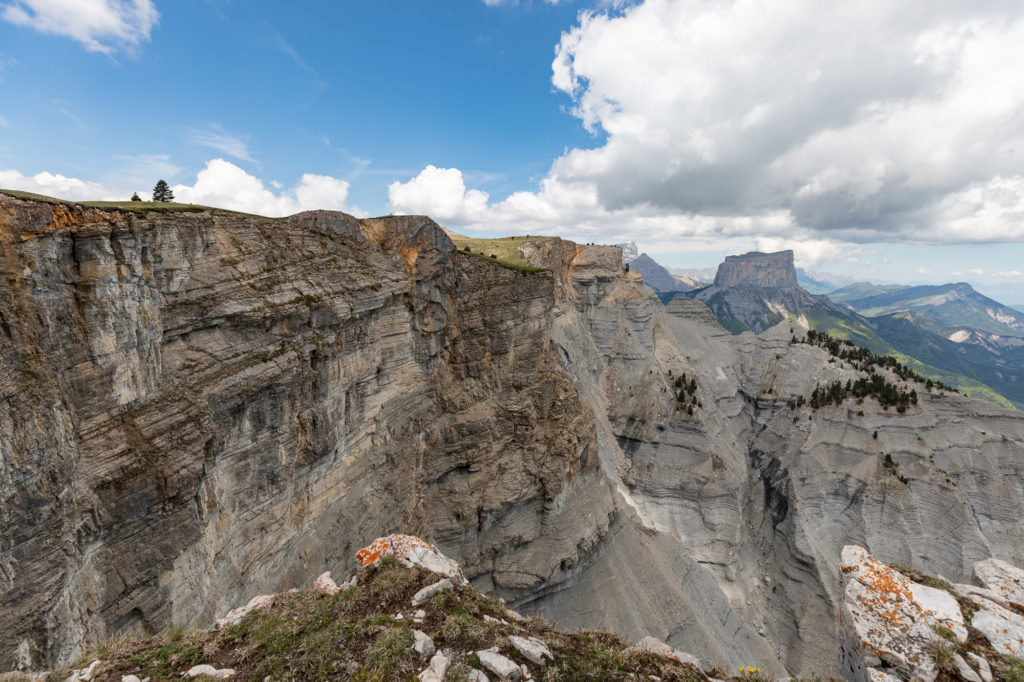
(799, 124)
(56, 185)
(99, 25)
(215, 137)
(225, 185)
(220, 184)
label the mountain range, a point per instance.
(947, 332)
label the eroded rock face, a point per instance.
(199, 407)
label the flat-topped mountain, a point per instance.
(756, 269)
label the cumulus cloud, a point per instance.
(220, 184)
(792, 122)
(225, 185)
(99, 25)
(56, 185)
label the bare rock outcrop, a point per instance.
(892, 627)
(756, 269)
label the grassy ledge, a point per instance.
(504, 250)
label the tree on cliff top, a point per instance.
(162, 192)
(136, 197)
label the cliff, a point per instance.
(756, 269)
(201, 407)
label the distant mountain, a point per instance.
(629, 252)
(861, 290)
(659, 278)
(1018, 307)
(953, 307)
(703, 275)
(756, 291)
(655, 275)
(815, 283)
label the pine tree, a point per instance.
(136, 197)
(162, 192)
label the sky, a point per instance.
(878, 140)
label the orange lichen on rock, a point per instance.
(392, 545)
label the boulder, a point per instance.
(1003, 579)
(499, 665)
(888, 621)
(532, 649)
(423, 644)
(209, 671)
(477, 676)
(235, 616)
(411, 551)
(1003, 628)
(437, 669)
(325, 583)
(656, 646)
(430, 590)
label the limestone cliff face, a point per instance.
(755, 269)
(199, 407)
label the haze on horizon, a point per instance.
(878, 140)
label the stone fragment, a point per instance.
(531, 648)
(984, 669)
(423, 644)
(84, 674)
(412, 551)
(235, 616)
(437, 669)
(325, 583)
(656, 646)
(499, 665)
(130, 678)
(209, 671)
(430, 590)
(966, 672)
(477, 676)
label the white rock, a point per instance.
(656, 646)
(879, 676)
(430, 590)
(210, 671)
(1003, 628)
(437, 669)
(477, 676)
(84, 674)
(499, 665)
(325, 583)
(492, 619)
(966, 672)
(532, 649)
(235, 616)
(886, 616)
(984, 669)
(526, 671)
(1003, 579)
(423, 644)
(411, 551)
(130, 678)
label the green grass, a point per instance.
(137, 206)
(1012, 669)
(503, 251)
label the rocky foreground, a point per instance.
(409, 613)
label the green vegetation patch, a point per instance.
(504, 250)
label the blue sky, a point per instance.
(877, 141)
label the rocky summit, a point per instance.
(756, 269)
(202, 410)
